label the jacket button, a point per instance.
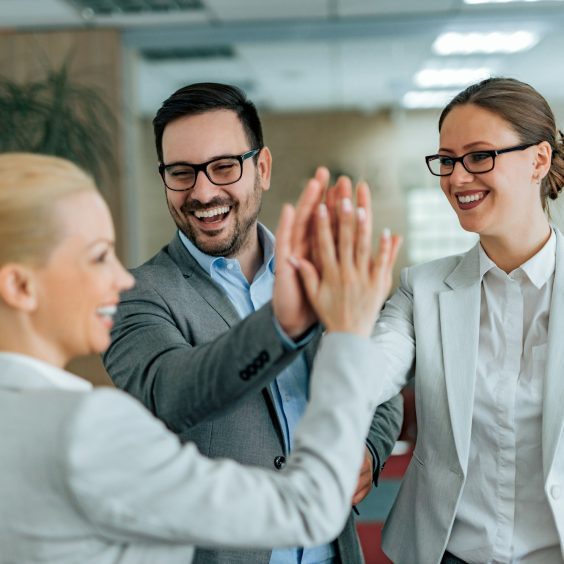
(279, 462)
(555, 492)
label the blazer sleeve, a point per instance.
(134, 482)
(184, 384)
(393, 340)
(384, 432)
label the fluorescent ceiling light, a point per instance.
(428, 98)
(501, 1)
(443, 78)
(494, 42)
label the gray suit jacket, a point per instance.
(94, 478)
(181, 348)
(429, 329)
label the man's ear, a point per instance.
(17, 287)
(543, 160)
(264, 167)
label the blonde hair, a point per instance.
(30, 186)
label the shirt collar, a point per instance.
(207, 262)
(48, 374)
(538, 268)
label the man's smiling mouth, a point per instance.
(212, 215)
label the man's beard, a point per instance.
(242, 232)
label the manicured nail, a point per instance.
(294, 261)
(347, 205)
(322, 210)
(386, 233)
(361, 214)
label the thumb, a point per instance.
(310, 280)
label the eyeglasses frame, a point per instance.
(493, 153)
(202, 167)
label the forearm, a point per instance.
(185, 383)
(160, 486)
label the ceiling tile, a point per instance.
(250, 10)
(358, 8)
(27, 13)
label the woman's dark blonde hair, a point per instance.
(30, 187)
(530, 116)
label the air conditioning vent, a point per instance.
(113, 7)
(189, 53)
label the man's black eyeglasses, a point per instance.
(220, 171)
(476, 162)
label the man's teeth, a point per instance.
(470, 198)
(211, 213)
(107, 311)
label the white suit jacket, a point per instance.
(93, 477)
(429, 329)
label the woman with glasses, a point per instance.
(481, 333)
(91, 476)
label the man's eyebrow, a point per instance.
(222, 156)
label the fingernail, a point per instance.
(386, 233)
(347, 205)
(361, 214)
(322, 210)
(294, 261)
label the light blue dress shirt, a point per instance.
(290, 388)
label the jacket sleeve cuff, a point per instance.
(288, 343)
(375, 462)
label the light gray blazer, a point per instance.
(180, 347)
(94, 478)
(430, 329)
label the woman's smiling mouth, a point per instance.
(469, 200)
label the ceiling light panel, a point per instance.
(453, 43)
(444, 78)
(419, 99)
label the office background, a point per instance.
(352, 84)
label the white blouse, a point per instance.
(503, 514)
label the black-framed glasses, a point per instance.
(475, 162)
(220, 171)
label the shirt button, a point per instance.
(229, 266)
(555, 492)
(279, 462)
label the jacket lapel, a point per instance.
(460, 322)
(553, 395)
(202, 283)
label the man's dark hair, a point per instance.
(204, 97)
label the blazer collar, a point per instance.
(20, 372)
(459, 311)
(467, 271)
(202, 282)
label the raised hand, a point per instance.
(293, 243)
(349, 285)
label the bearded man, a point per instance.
(206, 339)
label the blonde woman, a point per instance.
(91, 476)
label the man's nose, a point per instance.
(204, 189)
